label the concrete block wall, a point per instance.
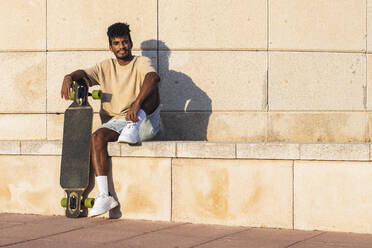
(304, 186)
(242, 70)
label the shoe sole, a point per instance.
(128, 142)
(113, 205)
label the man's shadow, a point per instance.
(185, 107)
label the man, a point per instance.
(129, 108)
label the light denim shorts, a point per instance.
(149, 127)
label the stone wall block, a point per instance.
(213, 24)
(317, 81)
(30, 185)
(369, 27)
(317, 127)
(82, 25)
(22, 126)
(368, 89)
(23, 78)
(202, 81)
(317, 25)
(143, 187)
(333, 196)
(217, 126)
(22, 25)
(232, 192)
(55, 125)
(369, 127)
(113, 149)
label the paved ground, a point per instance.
(18, 230)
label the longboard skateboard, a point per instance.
(75, 162)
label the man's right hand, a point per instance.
(66, 87)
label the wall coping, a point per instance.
(206, 150)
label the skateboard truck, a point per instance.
(74, 201)
(81, 88)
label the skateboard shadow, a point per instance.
(186, 108)
(89, 189)
(114, 213)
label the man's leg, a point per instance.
(151, 102)
(98, 150)
(100, 162)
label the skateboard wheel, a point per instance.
(97, 94)
(64, 202)
(72, 95)
(89, 202)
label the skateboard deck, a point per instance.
(75, 162)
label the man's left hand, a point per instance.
(132, 113)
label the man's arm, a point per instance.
(67, 82)
(149, 87)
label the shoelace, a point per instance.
(101, 195)
(130, 125)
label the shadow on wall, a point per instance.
(185, 107)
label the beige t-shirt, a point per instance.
(120, 84)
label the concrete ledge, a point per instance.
(350, 152)
(41, 147)
(259, 150)
(212, 150)
(268, 150)
(149, 149)
(205, 150)
(10, 147)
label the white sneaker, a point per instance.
(130, 133)
(102, 204)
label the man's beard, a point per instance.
(127, 55)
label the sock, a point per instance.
(102, 185)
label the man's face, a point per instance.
(121, 47)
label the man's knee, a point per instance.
(98, 140)
(102, 136)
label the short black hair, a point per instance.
(118, 29)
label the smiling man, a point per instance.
(130, 105)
